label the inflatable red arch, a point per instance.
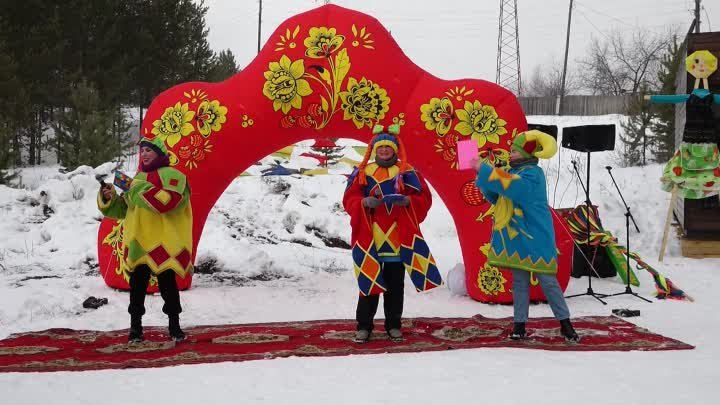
(335, 72)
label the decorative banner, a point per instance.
(334, 73)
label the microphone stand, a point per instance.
(628, 217)
(589, 291)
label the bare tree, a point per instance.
(546, 80)
(624, 62)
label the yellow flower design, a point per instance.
(322, 42)
(284, 84)
(494, 156)
(287, 40)
(437, 115)
(459, 93)
(363, 102)
(210, 117)
(194, 95)
(174, 124)
(491, 281)
(480, 122)
(173, 158)
(362, 37)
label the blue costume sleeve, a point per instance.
(669, 99)
(490, 196)
(518, 186)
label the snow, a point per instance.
(261, 229)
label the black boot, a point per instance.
(136, 330)
(518, 332)
(176, 333)
(568, 332)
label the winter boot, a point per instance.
(568, 332)
(362, 336)
(176, 333)
(395, 335)
(518, 332)
(136, 330)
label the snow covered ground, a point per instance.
(267, 243)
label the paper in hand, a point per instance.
(467, 153)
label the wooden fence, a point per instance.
(577, 105)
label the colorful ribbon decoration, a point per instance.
(578, 222)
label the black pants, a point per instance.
(394, 275)
(168, 290)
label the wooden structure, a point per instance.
(699, 219)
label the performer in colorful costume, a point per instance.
(157, 233)
(387, 200)
(694, 170)
(523, 238)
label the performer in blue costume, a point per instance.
(523, 238)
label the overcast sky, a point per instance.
(456, 39)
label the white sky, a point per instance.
(456, 39)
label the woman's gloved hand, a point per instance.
(371, 202)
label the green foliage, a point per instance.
(87, 133)
(635, 137)
(664, 126)
(60, 58)
(223, 66)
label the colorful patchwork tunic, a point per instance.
(523, 237)
(389, 232)
(157, 227)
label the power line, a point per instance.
(593, 25)
(633, 26)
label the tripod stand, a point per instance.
(589, 291)
(628, 217)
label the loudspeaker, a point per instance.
(589, 138)
(548, 129)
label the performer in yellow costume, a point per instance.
(157, 233)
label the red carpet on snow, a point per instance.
(77, 350)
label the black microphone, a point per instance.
(608, 168)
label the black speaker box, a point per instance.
(589, 138)
(548, 129)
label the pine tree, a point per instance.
(9, 88)
(171, 40)
(663, 127)
(129, 51)
(223, 66)
(636, 137)
(86, 133)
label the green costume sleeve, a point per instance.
(116, 208)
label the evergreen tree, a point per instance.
(663, 127)
(129, 50)
(636, 137)
(9, 86)
(171, 39)
(86, 133)
(223, 66)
